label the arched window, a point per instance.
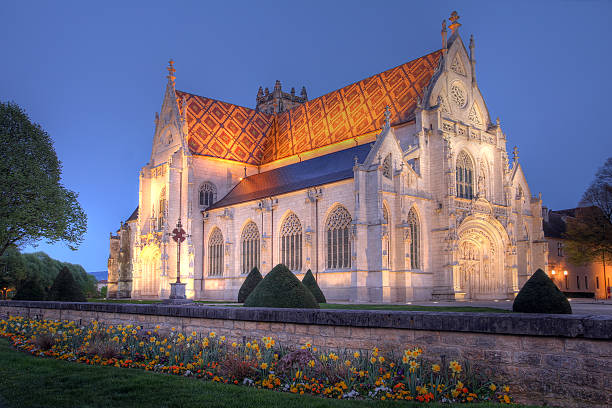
(414, 234)
(338, 239)
(208, 194)
(215, 253)
(291, 243)
(386, 239)
(465, 176)
(250, 247)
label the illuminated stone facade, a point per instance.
(431, 206)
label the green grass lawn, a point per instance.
(27, 381)
(413, 307)
(340, 306)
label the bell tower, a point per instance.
(278, 101)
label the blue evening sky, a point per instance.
(93, 75)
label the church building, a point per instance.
(395, 188)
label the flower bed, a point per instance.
(406, 375)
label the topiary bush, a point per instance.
(65, 288)
(251, 281)
(541, 295)
(311, 283)
(280, 288)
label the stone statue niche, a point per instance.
(124, 284)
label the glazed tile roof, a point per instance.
(325, 169)
(227, 131)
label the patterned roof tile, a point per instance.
(223, 130)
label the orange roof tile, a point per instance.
(227, 131)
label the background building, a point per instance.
(575, 280)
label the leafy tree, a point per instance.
(34, 204)
(251, 281)
(103, 291)
(12, 271)
(311, 283)
(65, 288)
(280, 288)
(589, 233)
(30, 289)
(540, 295)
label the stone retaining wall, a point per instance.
(563, 360)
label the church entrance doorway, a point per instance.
(150, 262)
(481, 265)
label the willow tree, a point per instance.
(34, 205)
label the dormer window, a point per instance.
(208, 195)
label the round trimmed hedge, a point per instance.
(541, 295)
(311, 283)
(280, 288)
(250, 283)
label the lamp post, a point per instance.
(177, 289)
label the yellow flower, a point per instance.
(308, 345)
(311, 363)
(356, 354)
(492, 387)
(372, 360)
(234, 344)
(264, 366)
(506, 399)
(193, 333)
(212, 335)
(381, 359)
(435, 368)
(347, 363)
(506, 388)
(405, 360)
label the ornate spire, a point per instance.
(454, 23)
(473, 58)
(303, 93)
(444, 43)
(171, 72)
(515, 155)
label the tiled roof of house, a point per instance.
(321, 170)
(223, 130)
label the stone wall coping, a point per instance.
(586, 326)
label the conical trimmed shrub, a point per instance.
(280, 288)
(541, 295)
(65, 288)
(251, 281)
(311, 283)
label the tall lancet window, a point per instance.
(208, 195)
(414, 236)
(291, 243)
(163, 209)
(338, 239)
(250, 247)
(215, 253)
(386, 239)
(465, 176)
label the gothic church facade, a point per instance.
(394, 188)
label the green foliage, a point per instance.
(30, 289)
(46, 269)
(251, 281)
(280, 288)
(34, 204)
(12, 270)
(103, 291)
(65, 288)
(541, 295)
(311, 283)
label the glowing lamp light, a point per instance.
(565, 273)
(552, 272)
